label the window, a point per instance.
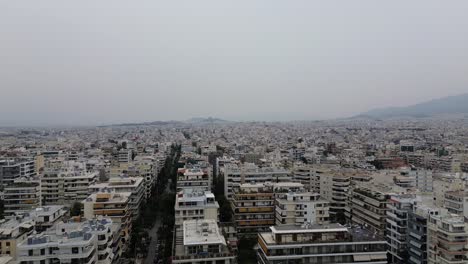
(30, 252)
(42, 251)
(75, 250)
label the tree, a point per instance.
(75, 210)
(2, 209)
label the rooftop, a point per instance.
(202, 232)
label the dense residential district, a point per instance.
(360, 191)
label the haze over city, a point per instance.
(103, 62)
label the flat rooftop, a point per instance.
(202, 232)
(355, 233)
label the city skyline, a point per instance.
(101, 63)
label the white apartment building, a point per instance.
(193, 204)
(86, 242)
(447, 240)
(298, 208)
(66, 184)
(201, 242)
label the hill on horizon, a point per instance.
(447, 105)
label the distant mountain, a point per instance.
(451, 105)
(196, 120)
(205, 120)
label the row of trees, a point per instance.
(160, 206)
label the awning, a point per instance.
(362, 258)
(378, 256)
(27, 226)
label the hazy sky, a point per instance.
(94, 62)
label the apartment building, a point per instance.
(301, 207)
(368, 207)
(236, 174)
(335, 188)
(116, 207)
(11, 169)
(193, 177)
(447, 239)
(308, 176)
(193, 204)
(133, 185)
(399, 206)
(201, 242)
(332, 243)
(13, 232)
(253, 208)
(21, 197)
(45, 217)
(82, 242)
(446, 183)
(417, 233)
(456, 202)
(147, 168)
(66, 183)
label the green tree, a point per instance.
(75, 210)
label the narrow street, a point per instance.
(153, 233)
